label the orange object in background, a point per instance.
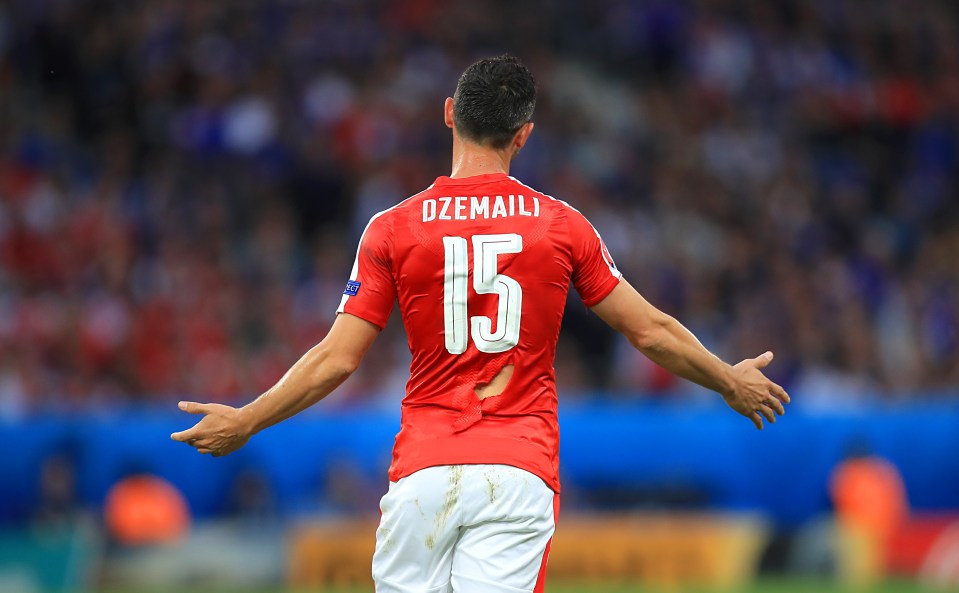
(869, 495)
(871, 505)
(145, 509)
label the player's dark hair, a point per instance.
(493, 99)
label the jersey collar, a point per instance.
(472, 180)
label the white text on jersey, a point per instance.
(473, 207)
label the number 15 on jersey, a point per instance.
(486, 280)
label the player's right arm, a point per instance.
(363, 312)
(224, 429)
(665, 341)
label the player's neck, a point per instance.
(470, 160)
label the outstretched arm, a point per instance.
(666, 342)
(224, 429)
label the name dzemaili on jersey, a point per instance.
(479, 207)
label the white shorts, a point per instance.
(464, 528)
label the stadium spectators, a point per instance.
(182, 184)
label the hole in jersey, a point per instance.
(496, 385)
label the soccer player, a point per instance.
(480, 265)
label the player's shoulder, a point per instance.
(560, 206)
(532, 190)
(574, 225)
(557, 205)
(413, 201)
(383, 220)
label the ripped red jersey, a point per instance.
(481, 267)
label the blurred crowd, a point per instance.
(182, 184)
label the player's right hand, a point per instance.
(220, 432)
(753, 395)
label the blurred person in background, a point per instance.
(58, 506)
(142, 509)
(870, 499)
(251, 500)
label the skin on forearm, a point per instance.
(224, 429)
(663, 339)
(666, 342)
(673, 347)
(309, 380)
(317, 373)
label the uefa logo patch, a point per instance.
(352, 287)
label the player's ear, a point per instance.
(448, 112)
(519, 140)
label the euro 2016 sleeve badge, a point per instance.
(352, 287)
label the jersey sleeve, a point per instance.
(594, 272)
(371, 290)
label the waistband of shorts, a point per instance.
(413, 456)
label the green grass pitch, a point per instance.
(763, 586)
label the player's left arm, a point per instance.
(665, 341)
(224, 429)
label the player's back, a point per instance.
(481, 268)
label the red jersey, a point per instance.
(481, 267)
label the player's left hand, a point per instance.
(220, 432)
(753, 395)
